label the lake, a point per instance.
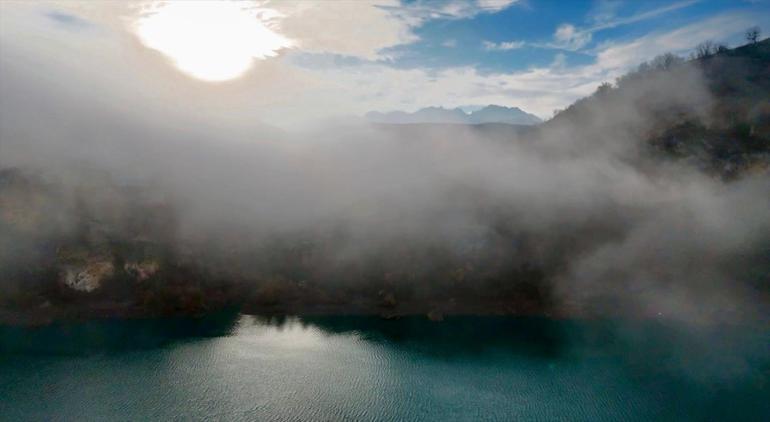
(238, 367)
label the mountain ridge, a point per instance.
(489, 114)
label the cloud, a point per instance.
(378, 87)
(719, 28)
(361, 28)
(604, 11)
(559, 61)
(354, 28)
(569, 37)
(449, 43)
(452, 9)
(502, 46)
(365, 28)
(638, 17)
(492, 6)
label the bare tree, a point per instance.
(665, 61)
(752, 34)
(603, 89)
(705, 49)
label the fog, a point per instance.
(608, 223)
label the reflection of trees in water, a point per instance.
(536, 337)
(455, 335)
(653, 347)
(113, 335)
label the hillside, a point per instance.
(725, 132)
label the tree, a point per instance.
(752, 34)
(705, 49)
(665, 62)
(603, 89)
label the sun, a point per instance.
(209, 40)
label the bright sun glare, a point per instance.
(209, 40)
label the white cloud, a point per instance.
(502, 46)
(628, 54)
(453, 9)
(360, 28)
(377, 87)
(353, 28)
(363, 28)
(449, 43)
(491, 6)
(638, 17)
(604, 11)
(570, 38)
(559, 61)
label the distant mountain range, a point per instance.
(488, 114)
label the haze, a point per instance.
(251, 127)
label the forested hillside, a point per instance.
(727, 132)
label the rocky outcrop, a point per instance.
(141, 271)
(87, 277)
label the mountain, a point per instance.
(500, 114)
(488, 114)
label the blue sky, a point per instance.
(345, 57)
(524, 34)
(527, 34)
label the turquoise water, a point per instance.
(232, 367)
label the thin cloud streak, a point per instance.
(571, 38)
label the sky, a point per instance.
(285, 62)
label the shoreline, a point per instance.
(47, 316)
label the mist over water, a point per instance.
(609, 263)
